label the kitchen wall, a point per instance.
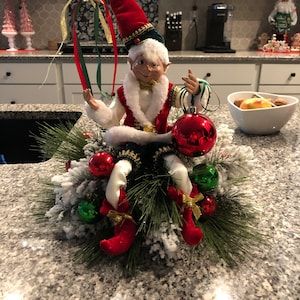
(249, 21)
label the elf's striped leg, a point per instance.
(116, 207)
(184, 194)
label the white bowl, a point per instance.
(261, 120)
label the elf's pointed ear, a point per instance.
(130, 62)
(166, 66)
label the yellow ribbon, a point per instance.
(191, 202)
(103, 24)
(147, 85)
(64, 24)
(63, 21)
(149, 128)
(118, 217)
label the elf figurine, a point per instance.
(283, 17)
(136, 123)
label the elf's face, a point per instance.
(147, 70)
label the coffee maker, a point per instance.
(219, 28)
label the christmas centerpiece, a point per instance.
(158, 176)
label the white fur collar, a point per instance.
(132, 95)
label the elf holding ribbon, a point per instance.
(136, 123)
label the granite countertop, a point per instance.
(35, 264)
(45, 56)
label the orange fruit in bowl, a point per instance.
(253, 103)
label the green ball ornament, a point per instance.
(206, 177)
(87, 211)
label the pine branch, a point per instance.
(90, 252)
(45, 199)
(133, 257)
(231, 232)
(64, 142)
(151, 204)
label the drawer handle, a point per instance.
(293, 75)
(207, 75)
(8, 74)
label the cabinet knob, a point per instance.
(207, 75)
(12, 102)
(293, 75)
(8, 74)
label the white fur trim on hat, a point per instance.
(151, 49)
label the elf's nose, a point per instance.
(149, 67)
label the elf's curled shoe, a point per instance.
(190, 232)
(124, 230)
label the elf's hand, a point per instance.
(89, 98)
(191, 83)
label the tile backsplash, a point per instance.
(249, 21)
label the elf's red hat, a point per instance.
(133, 23)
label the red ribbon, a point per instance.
(77, 58)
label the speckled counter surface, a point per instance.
(34, 264)
(175, 57)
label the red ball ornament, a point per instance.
(208, 206)
(194, 134)
(101, 164)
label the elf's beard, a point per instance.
(285, 7)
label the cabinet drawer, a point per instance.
(215, 73)
(28, 94)
(280, 74)
(293, 90)
(221, 92)
(73, 93)
(70, 74)
(26, 73)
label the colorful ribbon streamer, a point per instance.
(96, 30)
(78, 57)
(63, 21)
(114, 40)
(104, 25)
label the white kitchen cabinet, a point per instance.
(73, 92)
(280, 79)
(224, 78)
(23, 83)
(72, 85)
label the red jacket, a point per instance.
(160, 121)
